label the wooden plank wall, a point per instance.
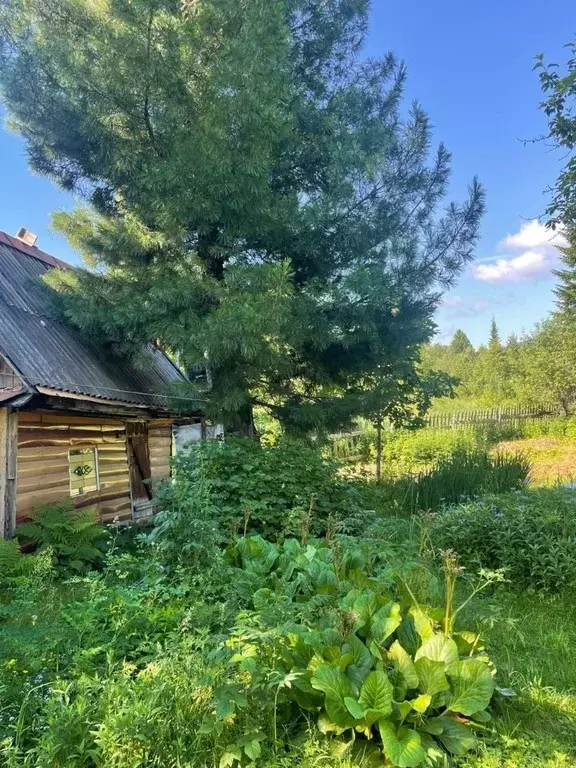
(160, 444)
(43, 476)
(8, 438)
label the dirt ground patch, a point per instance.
(553, 458)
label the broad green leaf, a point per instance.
(434, 726)
(344, 661)
(403, 747)
(365, 607)
(376, 693)
(331, 653)
(306, 697)
(333, 682)
(355, 708)
(431, 676)
(467, 642)
(225, 706)
(384, 624)
(435, 755)
(361, 654)
(472, 686)
(362, 660)
(508, 693)
(456, 737)
(326, 726)
(366, 754)
(407, 635)
(421, 703)
(337, 712)
(404, 664)
(231, 756)
(253, 749)
(331, 636)
(438, 648)
(403, 709)
(481, 717)
(422, 623)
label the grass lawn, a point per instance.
(553, 458)
(532, 644)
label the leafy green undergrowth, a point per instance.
(123, 669)
(349, 651)
(257, 488)
(319, 645)
(417, 450)
(530, 533)
(74, 536)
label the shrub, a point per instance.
(546, 427)
(355, 651)
(532, 534)
(259, 488)
(74, 536)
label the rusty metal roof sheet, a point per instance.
(49, 353)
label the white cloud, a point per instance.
(534, 235)
(538, 257)
(528, 264)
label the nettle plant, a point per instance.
(383, 675)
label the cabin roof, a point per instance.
(47, 353)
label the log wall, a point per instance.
(44, 440)
(160, 445)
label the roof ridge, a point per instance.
(31, 250)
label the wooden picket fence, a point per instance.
(346, 444)
(491, 415)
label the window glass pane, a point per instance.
(83, 470)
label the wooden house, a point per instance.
(74, 422)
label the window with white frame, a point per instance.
(83, 463)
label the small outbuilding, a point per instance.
(74, 421)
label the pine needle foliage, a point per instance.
(74, 535)
(252, 176)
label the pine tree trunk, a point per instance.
(379, 448)
(244, 426)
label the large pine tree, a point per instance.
(255, 200)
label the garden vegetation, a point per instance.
(239, 631)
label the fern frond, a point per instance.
(74, 535)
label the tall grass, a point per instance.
(461, 475)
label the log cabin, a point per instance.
(74, 421)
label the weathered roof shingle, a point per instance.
(49, 353)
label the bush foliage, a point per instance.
(259, 488)
(203, 644)
(357, 652)
(530, 534)
(314, 641)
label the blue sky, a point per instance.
(470, 66)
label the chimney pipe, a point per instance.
(26, 236)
